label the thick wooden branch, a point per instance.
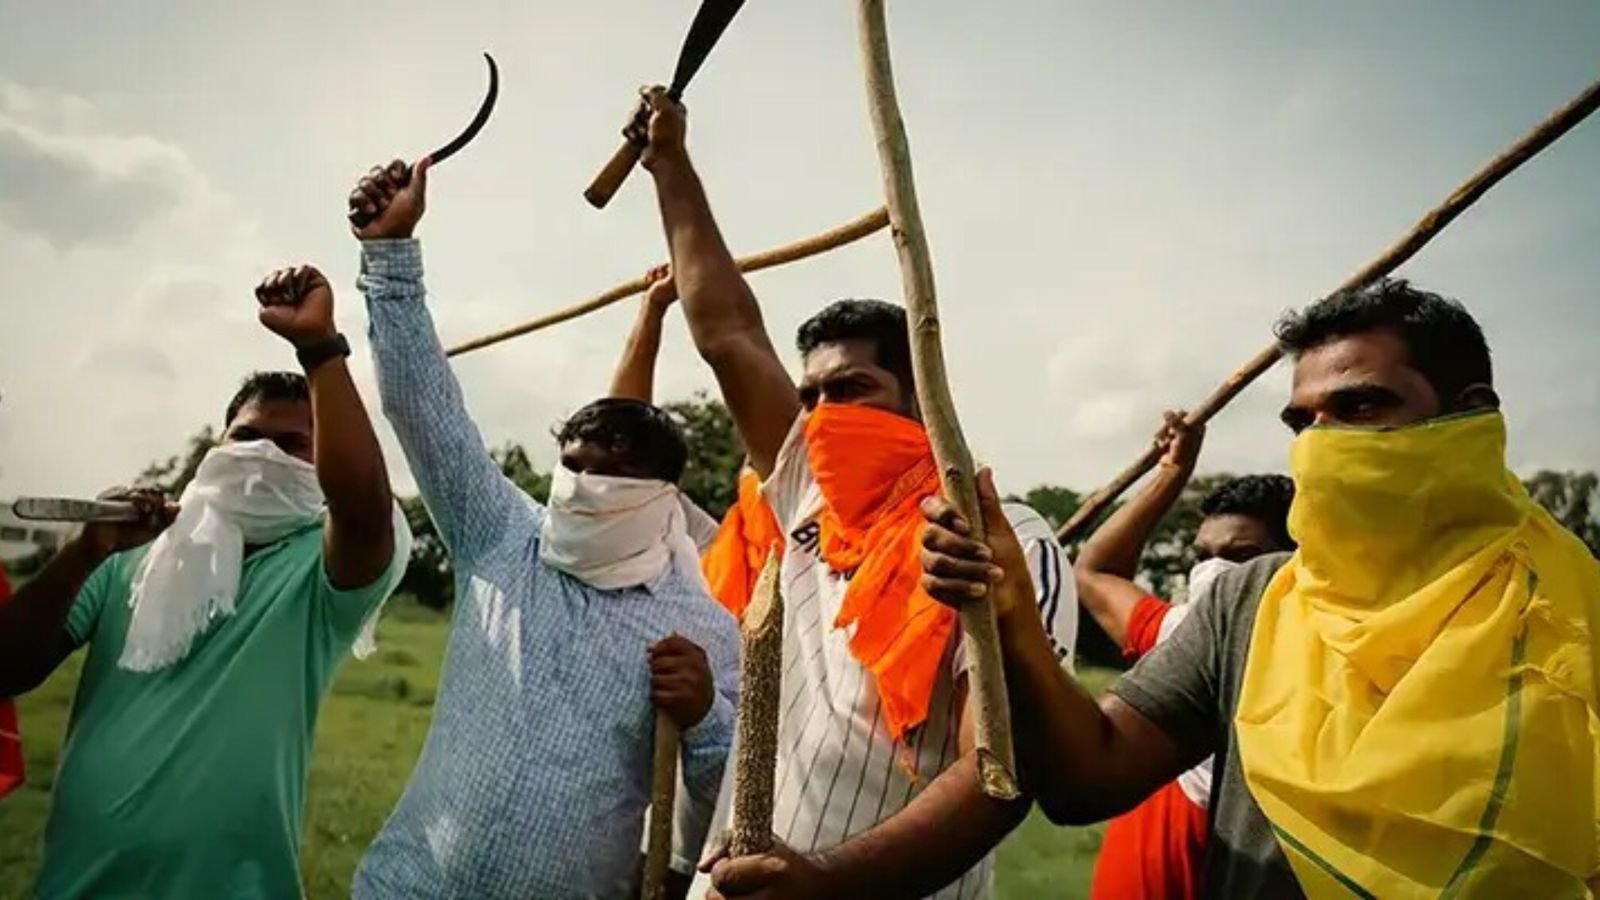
(663, 795)
(847, 233)
(1426, 229)
(987, 695)
(760, 685)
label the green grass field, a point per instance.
(370, 732)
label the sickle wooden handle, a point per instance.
(611, 177)
(360, 219)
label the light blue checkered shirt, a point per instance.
(535, 775)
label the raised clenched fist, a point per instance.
(297, 305)
(666, 124)
(391, 199)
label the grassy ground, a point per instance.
(369, 734)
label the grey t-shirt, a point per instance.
(1189, 687)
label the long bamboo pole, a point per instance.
(987, 697)
(760, 682)
(849, 232)
(1427, 228)
(663, 796)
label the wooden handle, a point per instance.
(1426, 229)
(872, 222)
(359, 218)
(605, 184)
(991, 714)
(663, 794)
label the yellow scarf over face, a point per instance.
(1418, 712)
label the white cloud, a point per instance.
(1120, 201)
(127, 274)
(78, 188)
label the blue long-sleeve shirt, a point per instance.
(535, 774)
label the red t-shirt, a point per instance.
(1156, 850)
(10, 740)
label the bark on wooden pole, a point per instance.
(760, 682)
(987, 694)
(663, 795)
(849, 232)
(1426, 229)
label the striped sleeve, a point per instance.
(1054, 589)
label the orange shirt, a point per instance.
(1157, 850)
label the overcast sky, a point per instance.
(1120, 199)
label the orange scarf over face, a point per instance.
(748, 534)
(10, 740)
(874, 468)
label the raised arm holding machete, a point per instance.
(704, 32)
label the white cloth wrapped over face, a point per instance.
(1203, 573)
(613, 532)
(245, 493)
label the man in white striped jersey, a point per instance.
(877, 791)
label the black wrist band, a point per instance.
(313, 355)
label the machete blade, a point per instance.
(709, 23)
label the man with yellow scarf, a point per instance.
(1405, 707)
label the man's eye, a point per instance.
(1356, 410)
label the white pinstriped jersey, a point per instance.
(838, 773)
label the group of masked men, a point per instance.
(1381, 682)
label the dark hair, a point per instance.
(884, 324)
(1442, 340)
(1265, 498)
(644, 434)
(268, 387)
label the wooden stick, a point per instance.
(987, 699)
(1427, 228)
(847, 233)
(663, 794)
(760, 680)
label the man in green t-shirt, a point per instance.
(210, 649)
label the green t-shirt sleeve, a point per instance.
(345, 610)
(84, 616)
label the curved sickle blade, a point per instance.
(478, 121)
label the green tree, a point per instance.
(174, 474)
(1573, 498)
(711, 478)
(1055, 503)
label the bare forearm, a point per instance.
(724, 317)
(944, 832)
(1115, 547)
(33, 624)
(716, 299)
(1075, 758)
(636, 372)
(354, 479)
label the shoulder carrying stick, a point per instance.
(663, 795)
(1427, 228)
(847, 233)
(760, 683)
(987, 697)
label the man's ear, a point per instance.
(1477, 397)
